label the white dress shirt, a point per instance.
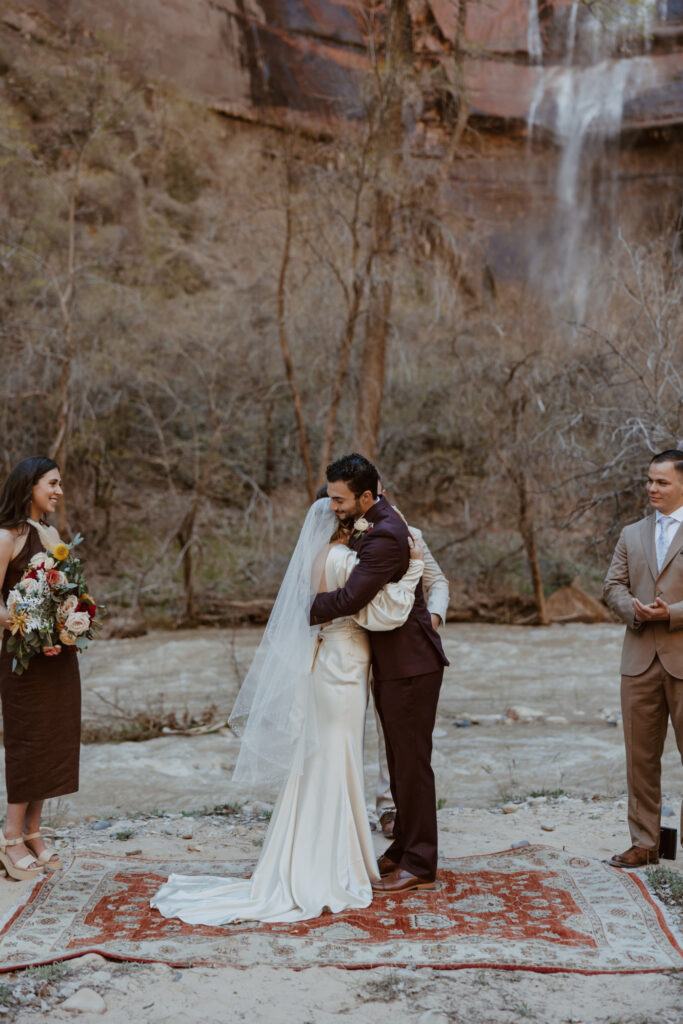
(670, 525)
(434, 582)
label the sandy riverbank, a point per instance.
(563, 683)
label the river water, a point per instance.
(563, 682)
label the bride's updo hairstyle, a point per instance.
(15, 499)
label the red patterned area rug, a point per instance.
(534, 908)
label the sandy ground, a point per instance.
(563, 686)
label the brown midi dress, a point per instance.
(41, 711)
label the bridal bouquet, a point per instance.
(50, 606)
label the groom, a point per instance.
(407, 666)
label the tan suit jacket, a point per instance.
(633, 573)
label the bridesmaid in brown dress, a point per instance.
(41, 709)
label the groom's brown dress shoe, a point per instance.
(400, 881)
(635, 857)
(385, 865)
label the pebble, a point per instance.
(263, 808)
(99, 825)
(488, 720)
(518, 846)
(547, 828)
(462, 724)
(87, 960)
(99, 977)
(510, 808)
(557, 720)
(86, 1000)
(133, 853)
(68, 988)
(188, 835)
(667, 812)
(521, 713)
(194, 848)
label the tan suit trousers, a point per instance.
(647, 702)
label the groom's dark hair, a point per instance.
(674, 455)
(356, 471)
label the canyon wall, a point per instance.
(549, 91)
(275, 59)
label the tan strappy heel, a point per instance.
(49, 857)
(21, 870)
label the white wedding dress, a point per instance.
(318, 851)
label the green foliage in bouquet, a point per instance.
(50, 607)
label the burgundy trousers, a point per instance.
(407, 711)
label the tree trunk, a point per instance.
(371, 386)
(269, 453)
(340, 378)
(527, 530)
(387, 178)
(460, 90)
(286, 351)
(186, 541)
(186, 530)
(60, 447)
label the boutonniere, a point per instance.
(361, 526)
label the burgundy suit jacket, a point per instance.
(383, 554)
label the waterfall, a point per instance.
(534, 42)
(574, 103)
(571, 33)
(580, 104)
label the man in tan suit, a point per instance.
(644, 586)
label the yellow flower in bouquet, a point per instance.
(49, 604)
(19, 622)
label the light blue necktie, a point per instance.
(662, 543)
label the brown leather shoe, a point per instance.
(385, 865)
(400, 881)
(635, 857)
(386, 824)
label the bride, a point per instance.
(301, 714)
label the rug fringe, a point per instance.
(16, 907)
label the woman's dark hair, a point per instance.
(356, 471)
(15, 499)
(674, 455)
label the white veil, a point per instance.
(273, 712)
